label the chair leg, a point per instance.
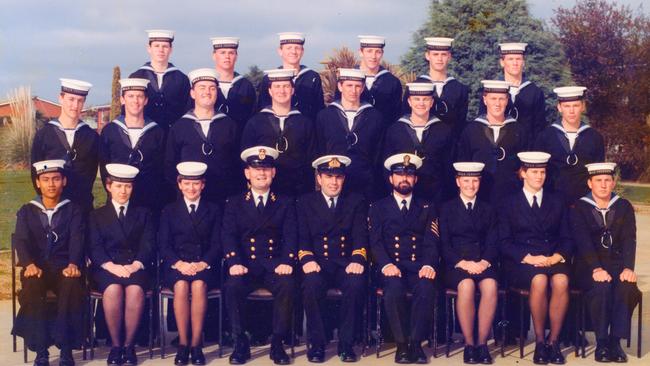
(521, 327)
(151, 326)
(91, 327)
(576, 327)
(447, 330)
(378, 327)
(220, 349)
(435, 330)
(293, 333)
(504, 325)
(583, 326)
(161, 326)
(639, 328)
(24, 352)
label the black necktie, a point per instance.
(535, 204)
(260, 203)
(192, 211)
(405, 209)
(120, 216)
(332, 204)
(469, 206)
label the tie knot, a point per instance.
(404, 202)
(469, 206)
(192, 207)
(122, 209)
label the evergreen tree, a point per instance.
(255, 75)
(478, 26)
(116, 106)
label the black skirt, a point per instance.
(209, 275)
(453, 276)
(103, 278)
(520, 274)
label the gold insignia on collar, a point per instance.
(272, 196)
(407, 160)
(248, 196)
(262, 154)
(334, 163)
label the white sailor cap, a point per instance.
(511, 48)
(570, 93)
(160, 35)
(204, 74)
(533, 159)
(291, 38)
(438, 43)
(468, 169)
(601, 168)
(76, 87)
(495, 86)
(333, 164)
(225, 42)
(372, 41)
(122, 172)
(48, 166)
(351, 74)
(420, 88)
(133, 84)
(403, 163)
(260, 156)
(280, 74)
(192, 170)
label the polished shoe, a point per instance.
(469, 355)
(115, 356)
(42, 358)
(616, 353)
(416, 353)
(554, 353)
(402, 354)
(316, 353)
(540, 357)
(66, 359)
(483, 354)
(241, 351)
(128, 355)
(196, 356)
(278, 354)
(346, 353)
(182, 355)
(602, 353)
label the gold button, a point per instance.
(325, 246)
(397, 238)
(342, 245)
(252, 240)
(396, 259)
(414, 247)
(412, 259)
(232, 254)
(270, 241)
(290, 255)
(396, 245)
(343, 238)
(252, 249)
(270, 257)
(342, 254)
(396, 254)
(252, 256)
(324, 238)
(227, 255)
(325, 254)
(413, 238)
(271, 248)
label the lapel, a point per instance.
(110, 218)
(413, 212)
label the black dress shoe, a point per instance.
(417, 353)
(241, 351)
(555, 355)
(540, 357)
(616, 353)
(66, 359)
(483, 354)
(115, 356)
(182, 355)
(402, 354)
(469, 355)
(346, 353)
(602, 353)
(316, 353)
(196, 356)
(278, 354)
(42, 358)
(128, 355)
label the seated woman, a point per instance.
(536, 245)
(190, 244)
(121, 242)
(468, 237)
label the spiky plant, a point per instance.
(17, 141)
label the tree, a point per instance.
(255, 75)
(116, 106)
(477, 27)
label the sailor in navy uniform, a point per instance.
(421, 133)
(572, 145)
(237, 94)
(604, 230)
(404, 246)
(451, 96)
(292, 134)
(122, 241)
(135, 140)
(190, 247)
(333, 236)
(259, 237)
(49, 242)
(353, 128)
(308, 96)
(536, 248)
(494, 140)
(526, 103)
(470, 252)
(72, 140)
(206, 136)
(168, 91)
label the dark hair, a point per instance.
(179, 179)
(170, 42)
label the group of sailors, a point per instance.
(299, 197)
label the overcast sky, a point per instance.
(41, 41)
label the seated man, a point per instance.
(333, 237)
(404, 246)
(604, 228)
(49, 242)
(259, 238)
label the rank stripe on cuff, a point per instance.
(304, 253)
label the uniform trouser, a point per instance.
(39, 324)
(237, 288)
(314, 291)
(611, 305)
(413, 326)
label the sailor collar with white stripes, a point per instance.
(303, 69)
(406, 119)
(80, 124)
(443, 82)
(362, 107)
(121, 123)
(48, 212)
(603, 211)
(190, 115)
(291, 112)
(170, 68)
(582, 128)
(483, 119)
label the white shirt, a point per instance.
(496, 129)
(69, 135)
(399, 200)
(514, 90)
(134, 135)
(160, 76)
(224, 86)
(439, 86)
(370, 79)
(327, 199)
(281, 119)
(419, 132)
(195, 203)
(265, 196)
(117, 207)
(205, 125)
(529, 197)
(350, 116)
(465, 201)
(571, 136)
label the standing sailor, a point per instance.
(72, 140)
(308, 96)
(292, 134)
(236, 93)
(168, 90)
